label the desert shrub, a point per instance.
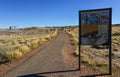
(88, 61)
(95, 62)
(16, 53)
(24, 49)
(4, 48)
(85, 60)
(14, 46)
(91, 63)
(54, 34)
(8, 56)
(28, 43)
(42, 41)
(101, 64)
(71, 39)
(14, 42)
(77, 51)
(4, 58)
(48, 37)
(75, 41)
(4, 55)
(34, 43)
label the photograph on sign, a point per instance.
(94, 27)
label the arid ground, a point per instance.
(53, 53)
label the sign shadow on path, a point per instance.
(44, 73)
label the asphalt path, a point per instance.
(47, 62)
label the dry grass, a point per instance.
(24, 49)
(34, 43)
(14, 46)
(98, 57)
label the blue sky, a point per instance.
(27, 13)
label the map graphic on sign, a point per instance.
(94, 27)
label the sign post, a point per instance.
(95, 30)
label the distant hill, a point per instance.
(116, 25)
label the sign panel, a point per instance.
(95, 32)
(95, 27)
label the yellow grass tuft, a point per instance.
(24, 49)
(42, 41)
(34, 43)
(16, 54)
(76, 52)
(48, 37)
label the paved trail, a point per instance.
(49, 59)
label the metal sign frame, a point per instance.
(109, 35)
